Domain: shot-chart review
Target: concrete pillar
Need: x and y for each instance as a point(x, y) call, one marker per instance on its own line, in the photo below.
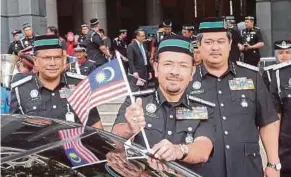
point(153, 12)
point(274, 20)
point(95, 9)
point(52, 13)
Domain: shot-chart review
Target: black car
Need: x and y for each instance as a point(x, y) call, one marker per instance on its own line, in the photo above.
point(37, 146)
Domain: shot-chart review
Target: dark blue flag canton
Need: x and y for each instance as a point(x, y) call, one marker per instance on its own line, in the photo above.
point(105, 75)
point(74, 157)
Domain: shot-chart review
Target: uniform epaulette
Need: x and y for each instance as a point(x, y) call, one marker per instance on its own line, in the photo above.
point(76, 76)
point(199, 100)
point(115, 39)
point(251, 67)
point(143, 92)
point(21, 81)
point(282, 65)
point(269, 67)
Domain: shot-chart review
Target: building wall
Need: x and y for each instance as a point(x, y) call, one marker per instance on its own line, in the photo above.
point(14, 13)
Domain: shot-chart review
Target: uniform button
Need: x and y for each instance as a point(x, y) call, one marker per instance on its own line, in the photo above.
point(218, 79)
point(169, 132)
point(221, 104)
point(34, 107)
point(219, 92)
point(289, 96)
point(243, 96)
point(53, 94)
point(223, 117)
point(226, 132)
point(190, 129)
point(254, 154)
point(149, 125)
point(54, 106)
point(227, 147)
point(171, 116)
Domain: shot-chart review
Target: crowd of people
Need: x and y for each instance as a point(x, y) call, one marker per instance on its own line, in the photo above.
point(209, 106)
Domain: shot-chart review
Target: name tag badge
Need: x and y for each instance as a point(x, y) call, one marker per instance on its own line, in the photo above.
point(241, 84)
point(197, 113)
point(70, 117)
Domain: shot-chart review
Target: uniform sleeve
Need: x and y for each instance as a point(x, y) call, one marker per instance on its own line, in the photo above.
point(259, 36)
point(97, 40)
point(206, 128)
point(93, 117)
point(266, 79)
point(265, 111)
point(14, 106)
point(114, 44)
point(130, 56)
point(121, 113)
point(10, 49)
point(274, 94)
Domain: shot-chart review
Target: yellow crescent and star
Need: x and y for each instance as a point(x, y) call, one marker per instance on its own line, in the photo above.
point(102, 77)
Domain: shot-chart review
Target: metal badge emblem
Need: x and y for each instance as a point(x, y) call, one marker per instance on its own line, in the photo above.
point(33, 93)
point(189, 138)
point(151, 108)
point(196, 85)
point(244, 103)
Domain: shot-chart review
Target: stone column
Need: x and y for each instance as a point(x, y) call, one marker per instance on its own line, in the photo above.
point(153, 12)
point(274, 20)
point(51, 13)
point(95, 9)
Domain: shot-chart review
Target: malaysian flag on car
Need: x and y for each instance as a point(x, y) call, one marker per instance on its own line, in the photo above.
point(104, 84)
point(75, 151)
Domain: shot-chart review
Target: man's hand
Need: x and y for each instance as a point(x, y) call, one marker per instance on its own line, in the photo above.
point(135, 116)
point(165, 150)
point(247, 46)
point(157, 165)
point(270, 172)
point(241, 47)
point(135, 75)
point(150, 76)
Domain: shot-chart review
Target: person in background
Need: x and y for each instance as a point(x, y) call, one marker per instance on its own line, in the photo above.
point(188, 31)
point(15, 46)
point(106, 39)
point(283, 54)
point(28, 38)
point(84, 32)
point(197, 56)
point(252, 41)
point(70, 44)
point(119, 44)
point(82, 65)
point(52, 30)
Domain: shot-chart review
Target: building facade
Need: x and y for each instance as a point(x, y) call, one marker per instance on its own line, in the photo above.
point(68, 15)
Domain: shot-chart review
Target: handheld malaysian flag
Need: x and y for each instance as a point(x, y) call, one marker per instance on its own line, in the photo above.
point(104, 84)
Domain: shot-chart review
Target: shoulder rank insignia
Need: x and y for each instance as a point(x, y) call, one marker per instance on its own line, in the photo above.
point(282, 65)
point(199, 100)
point(245, 65)
point(143, 92)
point(269, 67)
point(21, 81)
point(76, 76)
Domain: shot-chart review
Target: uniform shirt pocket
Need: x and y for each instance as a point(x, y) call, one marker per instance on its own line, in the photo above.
point(185, 131)
point(244, 99)
point(35, 108)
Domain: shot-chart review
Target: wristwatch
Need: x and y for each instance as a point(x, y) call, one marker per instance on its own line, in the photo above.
point(185, 150)
point(276, 166)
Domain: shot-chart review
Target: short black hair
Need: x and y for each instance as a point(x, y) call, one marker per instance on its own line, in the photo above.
point(137, 31)
point(101, 31)
point(53, 29)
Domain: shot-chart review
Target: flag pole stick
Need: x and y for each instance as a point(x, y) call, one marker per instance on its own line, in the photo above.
point(118, 55)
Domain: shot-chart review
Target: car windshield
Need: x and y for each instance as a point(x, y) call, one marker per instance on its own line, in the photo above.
point(36, 146)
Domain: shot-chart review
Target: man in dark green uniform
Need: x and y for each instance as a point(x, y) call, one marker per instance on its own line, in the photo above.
point(15, 46)
point(282, 53)
point(244, 110)
point(177, 126)
point(280, 88)
point(45, 93)
point(83, 65)
point(252, 41)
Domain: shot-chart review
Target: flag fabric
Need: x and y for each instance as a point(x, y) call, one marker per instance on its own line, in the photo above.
point(104, 84)
point(75, 151)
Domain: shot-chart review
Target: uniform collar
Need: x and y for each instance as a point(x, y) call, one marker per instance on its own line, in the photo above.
point(160, 100)
point(203, 71)
point(62, 83)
